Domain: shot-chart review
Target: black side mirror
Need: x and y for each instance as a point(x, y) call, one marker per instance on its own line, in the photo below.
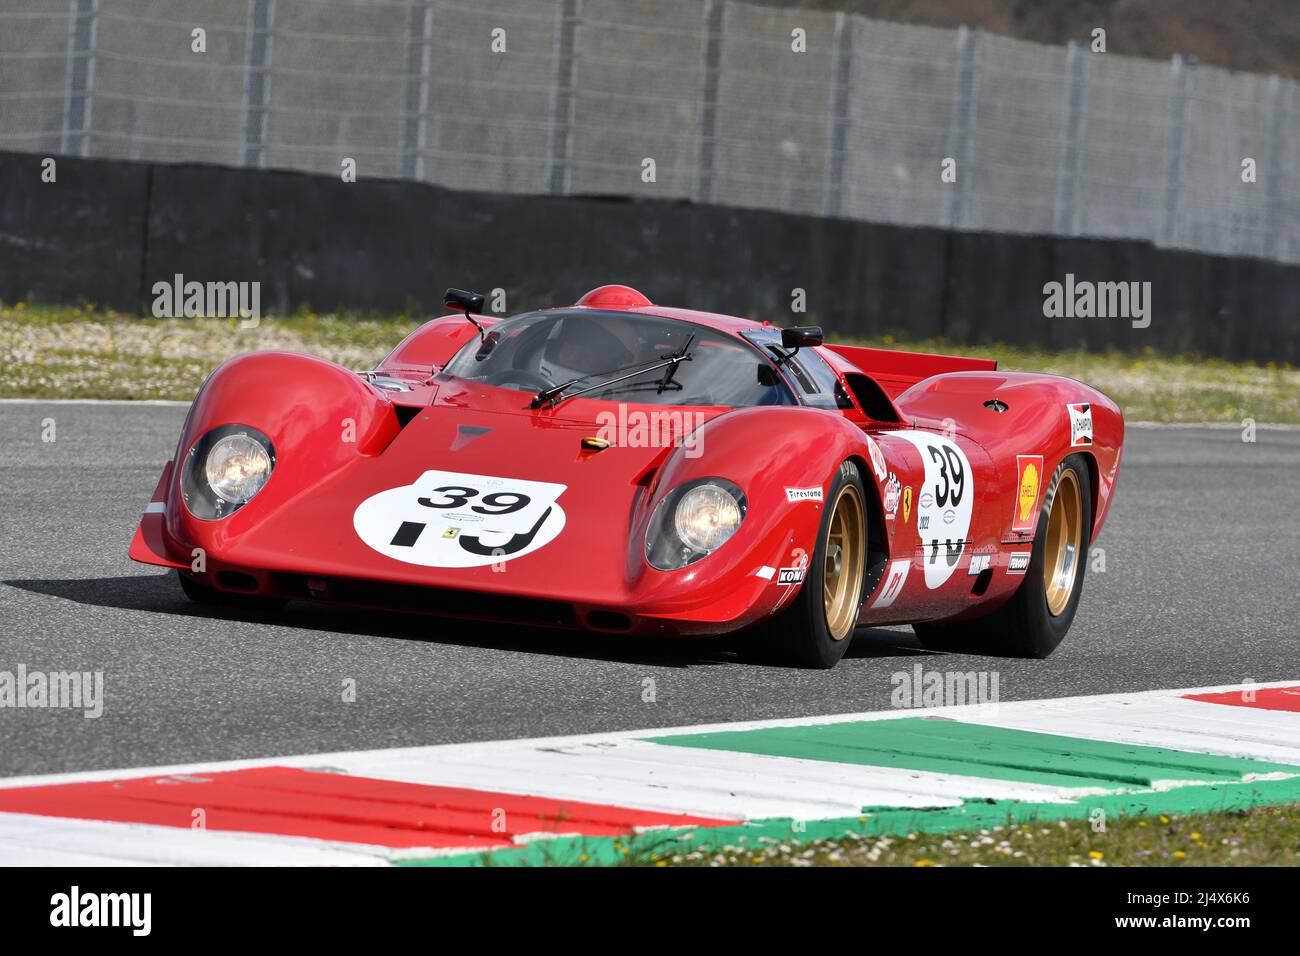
point(458, 300)
point(801, 336)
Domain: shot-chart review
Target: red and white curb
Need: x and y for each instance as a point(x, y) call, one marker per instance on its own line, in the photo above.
point(382, 806)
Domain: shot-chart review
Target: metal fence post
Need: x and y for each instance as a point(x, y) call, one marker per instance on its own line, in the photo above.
point(261, 17)
point(562, 99)
point(1180, 104)
point(842, 73)
point(1281, 91)
point(419, 54)
point(81, 77)
point(715, 12)
point(1065, 219)
point(969, 41)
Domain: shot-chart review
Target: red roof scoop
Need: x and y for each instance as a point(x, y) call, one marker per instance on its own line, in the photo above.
point(614, 297)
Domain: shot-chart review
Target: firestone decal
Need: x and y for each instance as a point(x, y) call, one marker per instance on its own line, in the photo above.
point(945, 504)
point(803, 494)
point(1080, 424)
point(448, 519)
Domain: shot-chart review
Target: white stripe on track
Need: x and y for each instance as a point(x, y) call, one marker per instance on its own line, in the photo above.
point(51, 841)
point(1171, 722)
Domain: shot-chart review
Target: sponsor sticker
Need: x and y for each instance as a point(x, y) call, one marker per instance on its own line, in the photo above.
point(1080, 424)
point(1029, 476)
point(892, 493)
point(907, 504)
point(894, 581)
point(877, 459)
point(803, 494)
point(791, 575)
point(477, 520)
point(1018, 563)
point(978, 563)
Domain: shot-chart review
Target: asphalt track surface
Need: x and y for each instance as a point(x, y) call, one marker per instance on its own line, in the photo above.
point(1200, 588)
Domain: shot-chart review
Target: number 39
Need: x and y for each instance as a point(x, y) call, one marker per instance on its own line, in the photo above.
point(497, 503)
point(954, 476)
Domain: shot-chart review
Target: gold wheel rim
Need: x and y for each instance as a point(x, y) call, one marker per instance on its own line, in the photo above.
point(845, 554)
point(1064, 535)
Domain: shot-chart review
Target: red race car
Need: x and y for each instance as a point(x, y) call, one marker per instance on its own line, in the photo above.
point(628, 468)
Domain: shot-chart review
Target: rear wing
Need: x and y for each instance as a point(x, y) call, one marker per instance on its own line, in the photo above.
point(896, 372)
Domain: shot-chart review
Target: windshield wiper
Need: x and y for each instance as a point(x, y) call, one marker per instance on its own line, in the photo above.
point(553, 395)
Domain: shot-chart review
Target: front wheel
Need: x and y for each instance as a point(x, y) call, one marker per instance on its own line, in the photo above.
point(1036, 618)
point(817, 627)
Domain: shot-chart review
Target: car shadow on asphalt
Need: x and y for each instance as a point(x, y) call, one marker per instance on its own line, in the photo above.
point(161, 594)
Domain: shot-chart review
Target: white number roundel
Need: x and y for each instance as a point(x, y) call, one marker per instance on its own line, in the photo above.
point(448, 519)
point(944, 505)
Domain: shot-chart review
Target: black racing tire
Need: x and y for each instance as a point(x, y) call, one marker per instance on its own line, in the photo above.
point(201, 593)
point(801, 635)
point(1025, 625)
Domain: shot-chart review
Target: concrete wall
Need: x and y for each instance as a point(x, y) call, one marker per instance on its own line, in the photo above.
point(107, 230)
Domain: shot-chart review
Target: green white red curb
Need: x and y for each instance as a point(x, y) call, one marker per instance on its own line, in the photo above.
point(604, 797)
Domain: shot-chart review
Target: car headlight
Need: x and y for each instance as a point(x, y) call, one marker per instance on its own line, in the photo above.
point(693, 521)
point(225, 469)
point(237, 468)
point(706, 516)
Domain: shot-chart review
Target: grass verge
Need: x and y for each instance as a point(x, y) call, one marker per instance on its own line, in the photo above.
point(1263, 836)
point(84, 352)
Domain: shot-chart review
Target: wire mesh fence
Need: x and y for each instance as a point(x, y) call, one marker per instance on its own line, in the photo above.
point(710, 100)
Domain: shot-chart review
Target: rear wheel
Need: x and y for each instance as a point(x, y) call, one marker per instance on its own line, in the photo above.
point(201, 593)
point(1036, 618)
point(817, 627)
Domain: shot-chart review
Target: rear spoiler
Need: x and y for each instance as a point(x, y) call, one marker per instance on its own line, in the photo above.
point(896, 372)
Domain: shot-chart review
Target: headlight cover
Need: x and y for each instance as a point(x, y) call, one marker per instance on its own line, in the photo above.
point(693, 521)
point(225, 469)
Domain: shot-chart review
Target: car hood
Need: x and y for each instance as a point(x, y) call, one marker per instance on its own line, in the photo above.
point(462, 489)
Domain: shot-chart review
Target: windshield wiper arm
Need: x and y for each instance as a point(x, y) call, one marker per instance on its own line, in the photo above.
point(551, 396)
point(667, 381)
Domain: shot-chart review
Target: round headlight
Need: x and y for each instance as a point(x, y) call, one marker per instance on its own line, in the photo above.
point(707, 516)
point(237, 468)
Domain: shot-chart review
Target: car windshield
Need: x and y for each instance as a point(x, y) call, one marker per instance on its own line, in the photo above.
point(541, 350)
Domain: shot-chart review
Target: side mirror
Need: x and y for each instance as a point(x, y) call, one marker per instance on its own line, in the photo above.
point(801, 336)
point(458, 300)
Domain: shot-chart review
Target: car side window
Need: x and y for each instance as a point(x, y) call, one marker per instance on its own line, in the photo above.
point(817, 380)
point(813, 379)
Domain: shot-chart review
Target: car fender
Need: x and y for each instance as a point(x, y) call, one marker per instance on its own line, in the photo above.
point(318, 416)
point(784, 460)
